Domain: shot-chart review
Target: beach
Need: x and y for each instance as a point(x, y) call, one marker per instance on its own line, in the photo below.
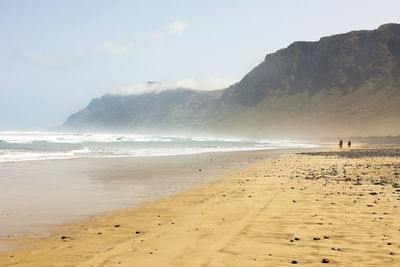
point(311, 208)
point(37, 195)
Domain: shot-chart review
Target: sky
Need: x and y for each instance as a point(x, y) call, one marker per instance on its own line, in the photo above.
point(55, 56)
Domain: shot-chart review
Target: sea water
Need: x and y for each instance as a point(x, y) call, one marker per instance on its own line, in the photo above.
point(23, 146)
point(40, 187)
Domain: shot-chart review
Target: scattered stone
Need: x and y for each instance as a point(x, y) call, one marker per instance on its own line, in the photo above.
point(117, 225)
point(316, 238)
point(325, 261)
point(293, 262)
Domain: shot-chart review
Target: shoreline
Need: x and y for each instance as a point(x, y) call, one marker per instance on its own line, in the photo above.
point(85, 188)
point(297, 207)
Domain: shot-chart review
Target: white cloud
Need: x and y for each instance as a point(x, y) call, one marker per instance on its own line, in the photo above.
point(115, 48)
point(176, 28)
point(156, 87)
point(53, 60)
point(36, 56)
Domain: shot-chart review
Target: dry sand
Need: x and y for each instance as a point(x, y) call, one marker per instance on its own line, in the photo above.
point(294, 208)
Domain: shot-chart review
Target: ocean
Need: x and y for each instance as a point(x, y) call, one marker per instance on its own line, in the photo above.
point(41, 187)
point(27, 146)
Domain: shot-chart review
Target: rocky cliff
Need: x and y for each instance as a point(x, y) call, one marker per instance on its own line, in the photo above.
point(342, 85)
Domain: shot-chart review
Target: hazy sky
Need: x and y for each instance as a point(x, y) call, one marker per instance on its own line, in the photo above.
point(57, 55)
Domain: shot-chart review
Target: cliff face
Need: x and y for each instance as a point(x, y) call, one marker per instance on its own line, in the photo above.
point(344, 61)
point(346, 84)
point(177, 108)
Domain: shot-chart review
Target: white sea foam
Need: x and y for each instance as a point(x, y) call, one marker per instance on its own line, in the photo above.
point(23, 146)
point(8, 155)
point(73, 138)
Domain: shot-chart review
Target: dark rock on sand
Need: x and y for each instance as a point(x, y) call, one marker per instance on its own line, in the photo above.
point(358, 153)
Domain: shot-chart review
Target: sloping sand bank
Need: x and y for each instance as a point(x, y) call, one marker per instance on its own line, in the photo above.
point(296, 208)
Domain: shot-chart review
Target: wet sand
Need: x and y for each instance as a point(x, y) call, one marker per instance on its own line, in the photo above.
point(306, 209)
point(37, 195)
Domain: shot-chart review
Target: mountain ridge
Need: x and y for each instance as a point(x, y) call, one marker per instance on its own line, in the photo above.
point(344, 84)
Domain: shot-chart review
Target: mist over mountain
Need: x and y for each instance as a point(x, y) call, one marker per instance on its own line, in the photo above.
point(342, 85)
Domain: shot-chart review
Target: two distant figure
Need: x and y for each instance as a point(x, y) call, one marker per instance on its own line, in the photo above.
point(341, 143)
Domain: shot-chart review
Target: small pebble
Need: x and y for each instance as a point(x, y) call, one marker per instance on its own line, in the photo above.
point(325, 261)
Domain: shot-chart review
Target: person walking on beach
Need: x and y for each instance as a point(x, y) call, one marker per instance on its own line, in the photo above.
point(340, 143)
point(349, 144)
